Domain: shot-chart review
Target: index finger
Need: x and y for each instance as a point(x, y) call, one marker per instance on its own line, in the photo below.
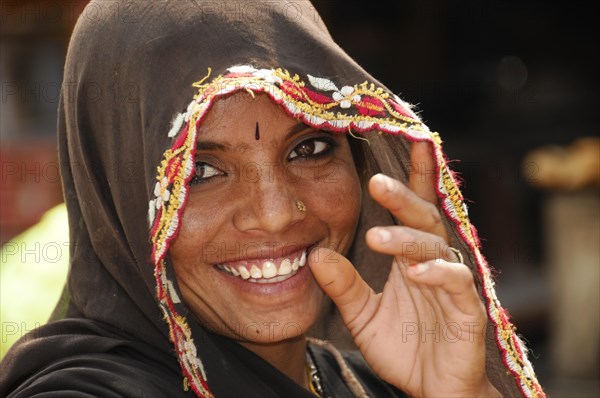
point(406, 206)
point(422, 172)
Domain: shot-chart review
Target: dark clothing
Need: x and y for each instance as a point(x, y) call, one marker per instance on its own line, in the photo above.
point(80, 358)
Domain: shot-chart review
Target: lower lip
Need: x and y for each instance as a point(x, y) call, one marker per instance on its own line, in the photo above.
point(291, 284)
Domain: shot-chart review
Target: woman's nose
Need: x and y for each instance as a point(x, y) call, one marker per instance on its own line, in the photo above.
point(269, 203)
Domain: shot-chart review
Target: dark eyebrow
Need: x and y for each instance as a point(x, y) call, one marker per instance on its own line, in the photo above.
point(297, 129)
point(212, 145)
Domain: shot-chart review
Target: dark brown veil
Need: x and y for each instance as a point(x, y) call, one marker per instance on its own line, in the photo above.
point(129, 72)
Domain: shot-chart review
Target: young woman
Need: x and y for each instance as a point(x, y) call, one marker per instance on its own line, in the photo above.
point(214, 223)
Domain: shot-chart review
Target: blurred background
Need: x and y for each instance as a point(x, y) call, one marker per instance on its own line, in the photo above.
point(511, 86)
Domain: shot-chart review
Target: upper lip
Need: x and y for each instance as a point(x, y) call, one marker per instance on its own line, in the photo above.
point(267, 252)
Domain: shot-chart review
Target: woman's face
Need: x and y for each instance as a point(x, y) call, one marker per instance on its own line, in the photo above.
point(240, 254)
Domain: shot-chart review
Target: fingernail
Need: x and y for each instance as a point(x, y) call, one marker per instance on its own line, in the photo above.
point(421, 268)
point(389, 183)
point(384, 235)
point(385, 182)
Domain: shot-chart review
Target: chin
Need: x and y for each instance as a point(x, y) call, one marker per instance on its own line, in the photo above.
point(280, 325)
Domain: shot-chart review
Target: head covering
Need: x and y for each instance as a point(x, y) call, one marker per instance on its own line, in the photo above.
point(128, 122)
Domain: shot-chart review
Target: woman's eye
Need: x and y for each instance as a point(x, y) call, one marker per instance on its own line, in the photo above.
point(204, 171)
point(311, 148)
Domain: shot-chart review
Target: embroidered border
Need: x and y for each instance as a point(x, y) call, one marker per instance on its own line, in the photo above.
point(359, 108)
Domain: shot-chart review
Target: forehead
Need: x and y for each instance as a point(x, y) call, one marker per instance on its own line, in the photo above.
point(239, 113)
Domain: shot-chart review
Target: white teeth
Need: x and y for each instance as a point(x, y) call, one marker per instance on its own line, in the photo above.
point(285, 267)
point(268, 272)
point(255, 272)
point(244, 272)
point(303, 259)
point(269, 269)
point(271, 280)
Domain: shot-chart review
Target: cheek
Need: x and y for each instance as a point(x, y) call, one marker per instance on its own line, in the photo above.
point(198, 226)
point(337, 200)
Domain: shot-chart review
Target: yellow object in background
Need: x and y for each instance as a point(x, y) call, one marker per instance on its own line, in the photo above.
point(565, 168)
point(33, 271)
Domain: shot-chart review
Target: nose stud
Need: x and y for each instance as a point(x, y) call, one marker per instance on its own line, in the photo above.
point(300, 206)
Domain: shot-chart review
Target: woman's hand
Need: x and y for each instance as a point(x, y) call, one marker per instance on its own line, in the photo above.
point(425, 332)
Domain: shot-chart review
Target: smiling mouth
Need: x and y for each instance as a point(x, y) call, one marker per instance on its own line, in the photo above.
point(268, 270)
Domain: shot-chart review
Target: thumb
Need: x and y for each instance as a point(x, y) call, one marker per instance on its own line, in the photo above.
point(338, 278)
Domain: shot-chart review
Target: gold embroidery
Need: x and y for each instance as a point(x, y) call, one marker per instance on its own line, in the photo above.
point(177, 164)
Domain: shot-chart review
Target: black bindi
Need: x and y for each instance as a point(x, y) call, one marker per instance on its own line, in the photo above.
point(257, 133)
